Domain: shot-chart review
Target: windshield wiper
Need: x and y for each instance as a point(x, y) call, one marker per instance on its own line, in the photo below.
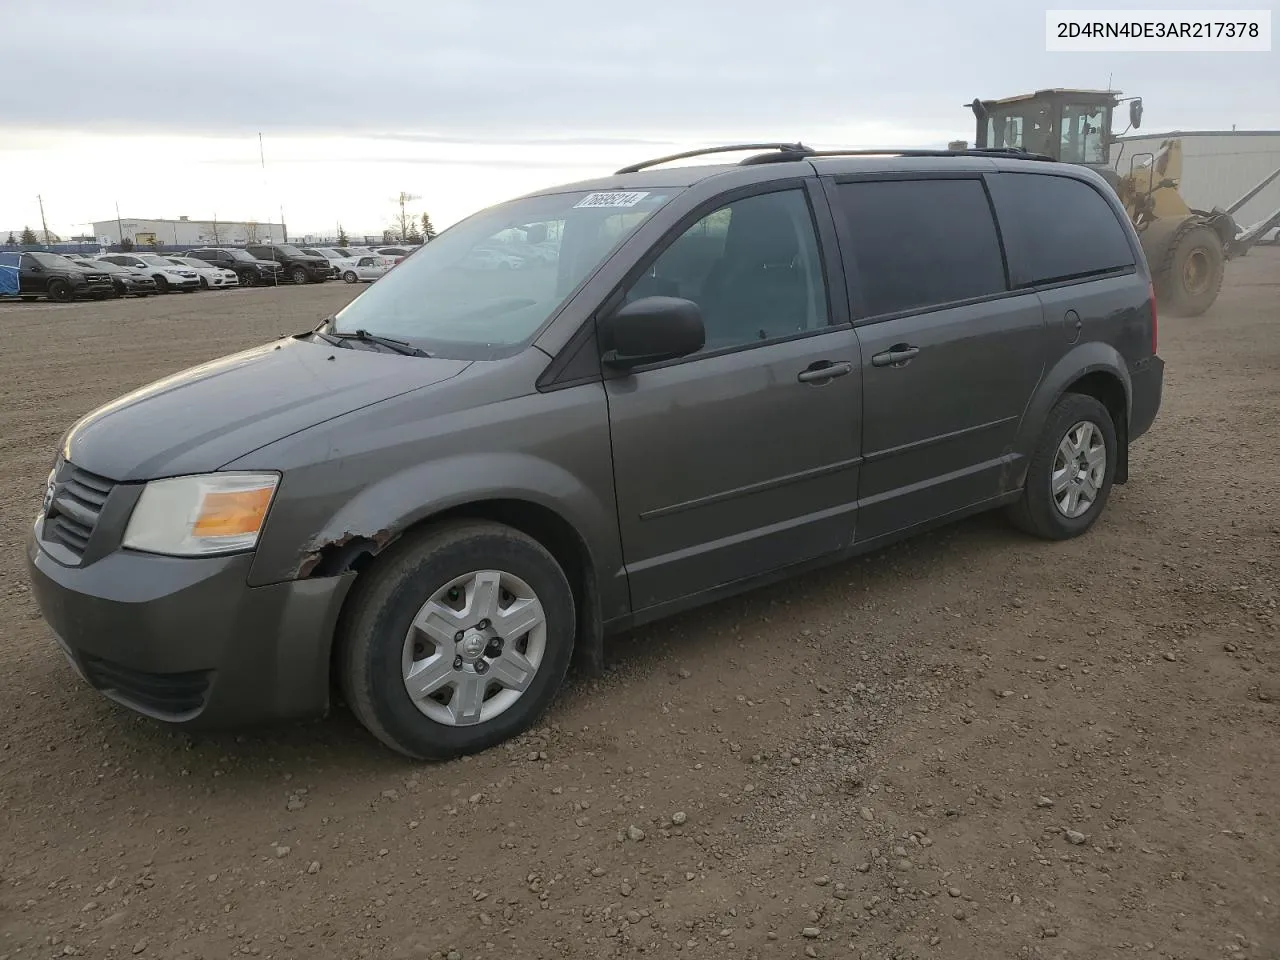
point(328, 338)
point(399, 346)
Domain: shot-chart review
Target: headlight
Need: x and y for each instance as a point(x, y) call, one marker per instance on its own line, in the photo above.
point(201, 515)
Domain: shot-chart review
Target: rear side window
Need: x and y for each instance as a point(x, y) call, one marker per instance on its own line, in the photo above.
point(921, 243)
point(1057, 228)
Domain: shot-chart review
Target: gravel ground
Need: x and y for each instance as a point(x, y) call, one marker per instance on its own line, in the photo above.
point(972, 745)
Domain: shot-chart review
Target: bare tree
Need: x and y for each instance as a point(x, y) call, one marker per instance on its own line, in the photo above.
point(404, 221)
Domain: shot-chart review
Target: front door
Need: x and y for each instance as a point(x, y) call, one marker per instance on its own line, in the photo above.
point(742, 458)
point(951, 356)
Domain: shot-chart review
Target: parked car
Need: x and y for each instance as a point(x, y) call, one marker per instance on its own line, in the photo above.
point(337, 261)
point(366, 269)
point(395, 253)
point(296, 265)
point(744, 371)
point(127, 281)
point(168, 276)
point(211, 277)
point(54, 276)
point(251, 270)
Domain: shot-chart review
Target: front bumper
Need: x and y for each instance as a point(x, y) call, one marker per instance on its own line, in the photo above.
point(187, 640)
point(1147, 379)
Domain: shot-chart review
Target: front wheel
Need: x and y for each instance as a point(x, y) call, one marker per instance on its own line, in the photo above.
point(60, 291)
point(248, 280)
point(350, 276)
point(457, 640)
point(162, 284)
point(299, 275)
point(204, 284)
point(1070, 475)
point(1195, 272)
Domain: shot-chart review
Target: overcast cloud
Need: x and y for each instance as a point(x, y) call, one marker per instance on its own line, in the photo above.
point(562, 75)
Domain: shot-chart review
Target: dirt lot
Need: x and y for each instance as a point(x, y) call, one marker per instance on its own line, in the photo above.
point(974, 745)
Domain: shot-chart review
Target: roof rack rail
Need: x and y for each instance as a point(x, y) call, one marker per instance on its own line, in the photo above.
point(785, 151)
point(1016, 153)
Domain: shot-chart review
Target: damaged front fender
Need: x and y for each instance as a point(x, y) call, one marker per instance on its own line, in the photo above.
point(331, 557)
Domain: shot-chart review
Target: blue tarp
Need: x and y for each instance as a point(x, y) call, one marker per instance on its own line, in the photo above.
point(9, 274)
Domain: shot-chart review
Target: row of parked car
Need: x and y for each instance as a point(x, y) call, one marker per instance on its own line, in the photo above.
point(99, 276)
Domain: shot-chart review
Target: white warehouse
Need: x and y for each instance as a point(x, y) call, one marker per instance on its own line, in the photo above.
point(187, 232)
point(1219, 167)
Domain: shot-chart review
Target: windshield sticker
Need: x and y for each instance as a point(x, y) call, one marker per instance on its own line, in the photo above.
point(612, 199)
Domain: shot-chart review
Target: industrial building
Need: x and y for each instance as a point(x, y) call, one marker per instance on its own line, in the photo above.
point(1218, 167)
point(185, 232)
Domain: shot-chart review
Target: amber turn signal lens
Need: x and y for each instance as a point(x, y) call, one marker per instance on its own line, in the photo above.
point(232, 513)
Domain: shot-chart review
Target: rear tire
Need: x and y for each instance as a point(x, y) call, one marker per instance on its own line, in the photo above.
point(1046, 508)
point(1196, 268)
point(379, 648)
point(60, 291)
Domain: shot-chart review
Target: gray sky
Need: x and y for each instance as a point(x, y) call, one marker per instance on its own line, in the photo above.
point(542, 87)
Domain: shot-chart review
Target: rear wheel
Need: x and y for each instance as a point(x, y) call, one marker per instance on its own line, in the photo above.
point(457, 640)
point(1195, 272)
point(60, 291)
point(1070, 475)
point(350, 276)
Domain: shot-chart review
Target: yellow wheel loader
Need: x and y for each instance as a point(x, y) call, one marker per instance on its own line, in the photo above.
point(1185, 248)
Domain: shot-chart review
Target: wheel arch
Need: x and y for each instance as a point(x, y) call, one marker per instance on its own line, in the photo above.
point(360, 555)
point(1096, 370)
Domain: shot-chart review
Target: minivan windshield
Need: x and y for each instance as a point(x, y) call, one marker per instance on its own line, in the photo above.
point(490, 281)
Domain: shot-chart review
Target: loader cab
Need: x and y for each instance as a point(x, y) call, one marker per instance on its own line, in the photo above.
point(1073, 126)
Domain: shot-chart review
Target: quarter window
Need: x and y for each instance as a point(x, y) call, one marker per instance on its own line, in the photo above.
point(751, 266)
point(1058, 228)
point(921, 243)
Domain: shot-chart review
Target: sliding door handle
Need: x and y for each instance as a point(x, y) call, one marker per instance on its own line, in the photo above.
point(898, 354)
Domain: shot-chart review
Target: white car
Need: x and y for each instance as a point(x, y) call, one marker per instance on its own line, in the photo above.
point(211, 277)
point(167, 275)
point(366, 269)
point(487, 258)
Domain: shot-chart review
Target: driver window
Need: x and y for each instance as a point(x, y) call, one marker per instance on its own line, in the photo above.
point(751, 266)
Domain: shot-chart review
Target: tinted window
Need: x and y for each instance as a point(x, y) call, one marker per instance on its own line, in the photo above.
point(1057, 227)
point(204, 255)
point(919, 243)
point(751, 266)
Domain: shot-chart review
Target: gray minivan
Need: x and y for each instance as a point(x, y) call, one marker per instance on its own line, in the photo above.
point(707, 378)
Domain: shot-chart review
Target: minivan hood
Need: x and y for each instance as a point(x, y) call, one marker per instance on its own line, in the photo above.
point(203, 418)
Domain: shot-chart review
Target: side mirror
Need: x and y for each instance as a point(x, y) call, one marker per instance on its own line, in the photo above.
point(651, 330)
point(1135, 113)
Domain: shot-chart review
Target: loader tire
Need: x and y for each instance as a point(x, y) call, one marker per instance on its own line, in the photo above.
point(1193, 276)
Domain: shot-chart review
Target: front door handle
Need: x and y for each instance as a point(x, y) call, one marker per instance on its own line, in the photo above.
point(824, 370)
point(899, 353)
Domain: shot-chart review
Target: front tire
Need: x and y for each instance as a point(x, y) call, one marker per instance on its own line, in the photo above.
point(456, 640)
point(162, 284)
point(248, 280)
point(299, 275)
point(60, 291)
point(1196, 269)
point(1071, 472)
point(350, 276)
